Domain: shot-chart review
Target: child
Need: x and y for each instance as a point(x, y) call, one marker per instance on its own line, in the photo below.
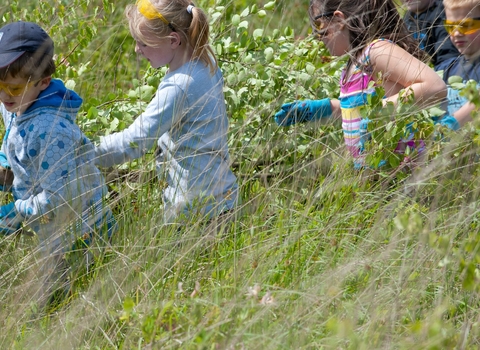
point(424, 18)
point(57, 189)
point(463, 25)
point(372, 34)
point(186, 118)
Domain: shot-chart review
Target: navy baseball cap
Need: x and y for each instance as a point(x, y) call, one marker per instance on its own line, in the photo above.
point(19, 37)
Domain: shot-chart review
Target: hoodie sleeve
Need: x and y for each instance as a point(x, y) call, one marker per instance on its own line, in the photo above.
point(49, 161)
point(141, 135)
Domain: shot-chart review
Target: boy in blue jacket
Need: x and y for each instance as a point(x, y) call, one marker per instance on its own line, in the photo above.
point(57, 190)
point(424, 19)
point(463, 25)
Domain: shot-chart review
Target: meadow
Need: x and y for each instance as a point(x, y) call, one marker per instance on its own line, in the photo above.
point(319, 256)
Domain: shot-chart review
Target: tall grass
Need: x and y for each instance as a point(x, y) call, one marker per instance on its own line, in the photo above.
point(318, 256)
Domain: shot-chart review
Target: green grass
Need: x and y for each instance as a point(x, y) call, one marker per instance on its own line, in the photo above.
point(346, 262)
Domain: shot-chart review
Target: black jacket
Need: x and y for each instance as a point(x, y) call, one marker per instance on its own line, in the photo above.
point(427, 27)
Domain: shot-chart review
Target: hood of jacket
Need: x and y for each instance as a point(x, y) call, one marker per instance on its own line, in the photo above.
point(55, 96)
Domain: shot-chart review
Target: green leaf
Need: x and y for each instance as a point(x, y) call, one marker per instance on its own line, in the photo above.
point(310, 68)
point(436, 112)
point(245, 12)
point(236, 20)
point(304, 76)
point(104, 121)
point(457, 86)
point(261, 13)
point(243, 24)
point(288, 32)
point(232, 79)
point(114, 125)
point(215, 16)
point(70, 84)
point(268, 54)
point(92, 113)
point(455, 79)
point(257, 33)
point(269, 6)
point(128, 305)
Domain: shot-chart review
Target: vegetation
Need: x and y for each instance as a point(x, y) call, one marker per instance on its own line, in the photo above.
point(319, 256)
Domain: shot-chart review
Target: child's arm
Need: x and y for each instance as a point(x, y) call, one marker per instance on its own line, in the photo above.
point(400, 70)
point(51, 164)
point(141, 135)
point(306, 111)
point(463, 115)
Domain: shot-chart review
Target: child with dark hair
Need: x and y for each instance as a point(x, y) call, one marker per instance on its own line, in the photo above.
point(381, 53)
point(424, 19)
point(57, 190)
point(186, 118)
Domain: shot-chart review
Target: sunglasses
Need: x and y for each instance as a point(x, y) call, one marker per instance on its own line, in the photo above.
point(16, 89)
point(464, 27)
point(320, 28)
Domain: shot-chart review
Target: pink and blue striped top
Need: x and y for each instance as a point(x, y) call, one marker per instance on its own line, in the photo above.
point(353, 96)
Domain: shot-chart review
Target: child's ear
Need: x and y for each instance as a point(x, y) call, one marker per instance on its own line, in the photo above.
point(340, 16)
point(175, 40)
point(45, 82)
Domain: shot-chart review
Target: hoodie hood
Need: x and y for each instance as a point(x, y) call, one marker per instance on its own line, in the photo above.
point(57, 96)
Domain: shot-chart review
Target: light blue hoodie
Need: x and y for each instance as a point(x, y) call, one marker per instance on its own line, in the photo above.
point(187, 121)
point(57, 188)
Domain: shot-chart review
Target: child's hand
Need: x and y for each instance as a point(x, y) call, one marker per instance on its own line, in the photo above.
point(450, 122)
point(8, 210)
point(10, 221)
point(4, 161)
point(303, 111)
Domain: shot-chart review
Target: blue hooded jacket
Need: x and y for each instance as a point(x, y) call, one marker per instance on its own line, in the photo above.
point(57, 188)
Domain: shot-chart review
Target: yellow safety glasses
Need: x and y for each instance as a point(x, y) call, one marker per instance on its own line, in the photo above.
point(16, 89)
point(465, 27)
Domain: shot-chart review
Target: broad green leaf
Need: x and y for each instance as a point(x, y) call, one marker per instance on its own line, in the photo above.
point(245, 12)
point(257, 33)
point(268, 54)
point(269, 5)
point(236, 20)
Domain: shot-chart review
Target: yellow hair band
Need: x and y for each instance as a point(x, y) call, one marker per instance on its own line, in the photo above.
point(146, 8)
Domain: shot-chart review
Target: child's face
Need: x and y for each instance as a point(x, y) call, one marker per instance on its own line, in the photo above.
point(417, 6)
point(462, 27)
point(17, 94)
point(163, 53)
point(328, 28)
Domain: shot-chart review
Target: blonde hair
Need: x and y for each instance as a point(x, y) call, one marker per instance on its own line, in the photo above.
point(192, 25)
point(453, 4)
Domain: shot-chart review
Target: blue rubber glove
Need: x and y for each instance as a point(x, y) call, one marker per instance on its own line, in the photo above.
point(4, 161)
point(8, 210)
point(10, 221)
point(303, 111)
point(450, 122)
